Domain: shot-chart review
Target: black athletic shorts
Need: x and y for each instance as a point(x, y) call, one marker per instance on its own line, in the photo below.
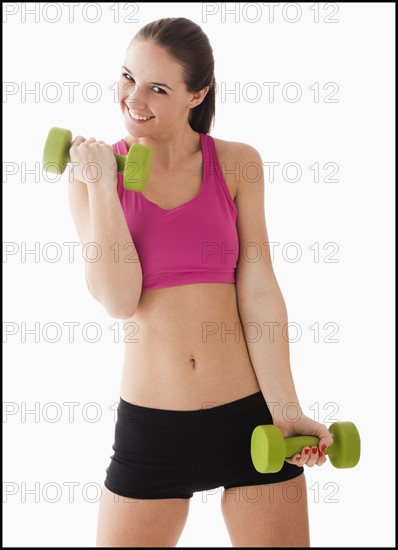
point(161, 453)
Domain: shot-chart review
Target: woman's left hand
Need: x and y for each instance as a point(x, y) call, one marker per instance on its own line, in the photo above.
point(306, 426)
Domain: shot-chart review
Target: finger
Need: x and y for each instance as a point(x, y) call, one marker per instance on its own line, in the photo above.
point(322, 459)
point(78, 140)
point(295, 459)
point(298, 459)
point(325, 440)
point(313, 456)
point(302, 457)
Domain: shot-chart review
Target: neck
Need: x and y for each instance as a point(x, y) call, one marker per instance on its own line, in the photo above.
point(170, 148)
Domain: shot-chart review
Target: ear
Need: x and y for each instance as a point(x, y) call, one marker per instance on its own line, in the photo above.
point(198, 97)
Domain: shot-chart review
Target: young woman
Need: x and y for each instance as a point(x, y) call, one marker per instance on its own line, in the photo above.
point(176, 265)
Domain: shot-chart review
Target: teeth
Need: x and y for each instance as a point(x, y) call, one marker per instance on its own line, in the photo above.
point(138, 117)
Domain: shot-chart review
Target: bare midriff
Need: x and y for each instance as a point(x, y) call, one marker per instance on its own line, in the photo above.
point(185, 349)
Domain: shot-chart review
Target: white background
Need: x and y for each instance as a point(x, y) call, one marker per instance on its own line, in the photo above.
point(349, 379)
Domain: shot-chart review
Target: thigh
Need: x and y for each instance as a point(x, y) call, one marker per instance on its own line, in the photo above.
point(269, 515)
point(131, 522)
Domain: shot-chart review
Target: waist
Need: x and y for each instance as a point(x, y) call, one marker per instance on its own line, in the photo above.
point(207, 410)
point(187, 346)
point(183, 384)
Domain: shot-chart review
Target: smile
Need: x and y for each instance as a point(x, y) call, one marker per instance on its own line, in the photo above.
point(139, 118)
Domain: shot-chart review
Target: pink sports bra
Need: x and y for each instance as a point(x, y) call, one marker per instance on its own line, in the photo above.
point(196, 242)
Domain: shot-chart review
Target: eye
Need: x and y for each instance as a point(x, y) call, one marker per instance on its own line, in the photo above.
point(161, 91)
point(129, 77)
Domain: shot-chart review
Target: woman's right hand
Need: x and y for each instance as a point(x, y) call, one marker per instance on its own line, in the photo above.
point(95, 163)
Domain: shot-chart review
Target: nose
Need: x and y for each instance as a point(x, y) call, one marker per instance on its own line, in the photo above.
point(135, 96)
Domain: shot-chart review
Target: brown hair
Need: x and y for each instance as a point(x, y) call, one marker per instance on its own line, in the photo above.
point(186, 42)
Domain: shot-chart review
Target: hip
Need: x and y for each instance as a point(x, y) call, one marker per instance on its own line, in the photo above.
point(173, 454)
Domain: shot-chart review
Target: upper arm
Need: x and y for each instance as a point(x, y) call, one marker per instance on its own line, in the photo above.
point(254, 272)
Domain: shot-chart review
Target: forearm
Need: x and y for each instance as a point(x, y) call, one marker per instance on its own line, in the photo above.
point(264, 323)
point(115, 277)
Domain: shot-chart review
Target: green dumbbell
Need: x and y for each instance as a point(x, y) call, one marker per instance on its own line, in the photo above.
point(269, 448)
point(135, 167)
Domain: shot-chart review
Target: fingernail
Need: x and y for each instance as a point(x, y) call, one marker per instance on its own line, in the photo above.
point(314, 450)
point(320, 453)
point(306, 451)
point(323, 447)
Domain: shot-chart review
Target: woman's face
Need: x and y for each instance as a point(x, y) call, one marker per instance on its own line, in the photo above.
point(167, 101)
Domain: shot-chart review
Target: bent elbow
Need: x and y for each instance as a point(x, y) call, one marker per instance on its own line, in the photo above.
point(116, 310)
point(121, 312)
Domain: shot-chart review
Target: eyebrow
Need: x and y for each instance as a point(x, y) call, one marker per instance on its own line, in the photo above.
point(156, 83)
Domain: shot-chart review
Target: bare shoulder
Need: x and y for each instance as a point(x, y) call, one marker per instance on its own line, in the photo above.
point(235, 158)
point(232, 148)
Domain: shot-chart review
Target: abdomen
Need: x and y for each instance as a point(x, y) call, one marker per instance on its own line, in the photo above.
point(185, 348)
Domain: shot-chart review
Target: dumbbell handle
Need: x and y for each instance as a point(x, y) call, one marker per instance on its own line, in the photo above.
point(294, 445)
point(120, 161)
